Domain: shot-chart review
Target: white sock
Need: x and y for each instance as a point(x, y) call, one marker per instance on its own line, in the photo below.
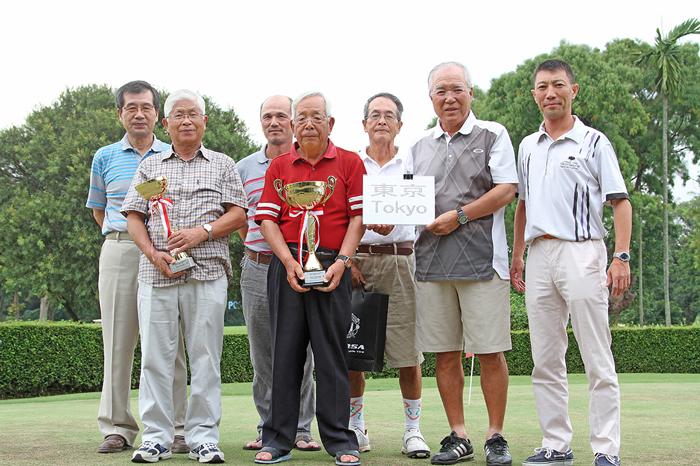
point(357, 417)
point(412, 410)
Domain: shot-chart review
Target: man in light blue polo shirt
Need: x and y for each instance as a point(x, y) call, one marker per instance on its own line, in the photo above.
point(113, 168)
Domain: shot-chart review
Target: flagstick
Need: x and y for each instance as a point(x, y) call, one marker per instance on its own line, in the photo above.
point(471, 378)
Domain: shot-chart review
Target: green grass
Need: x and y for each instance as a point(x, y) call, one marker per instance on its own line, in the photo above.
point(660, 424)
point(235, 330)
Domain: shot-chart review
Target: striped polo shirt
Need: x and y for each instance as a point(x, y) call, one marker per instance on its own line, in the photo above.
point(566, 182)
point(252, 170)
point(113, 168)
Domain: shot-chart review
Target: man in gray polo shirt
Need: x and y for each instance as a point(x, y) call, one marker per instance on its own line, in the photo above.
point(113, 168)
point(276, 117)
point(462, 280)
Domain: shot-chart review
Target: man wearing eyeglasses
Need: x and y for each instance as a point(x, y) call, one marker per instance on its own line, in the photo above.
point(384, 263)
point(208, 203)
point(462, 274)
point(113, 168)
point(320, 314)
point(276, 119)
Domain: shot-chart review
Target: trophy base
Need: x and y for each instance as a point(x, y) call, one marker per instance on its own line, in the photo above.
point(182, 264)
point(313, 278)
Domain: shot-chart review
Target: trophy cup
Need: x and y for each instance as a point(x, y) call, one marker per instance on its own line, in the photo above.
point(153, 190)
point(307, 198)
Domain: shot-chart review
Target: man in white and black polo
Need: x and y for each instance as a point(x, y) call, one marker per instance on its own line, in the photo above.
point(462, 283)
point(568, 171)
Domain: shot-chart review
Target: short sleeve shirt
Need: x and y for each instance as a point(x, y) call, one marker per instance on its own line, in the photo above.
point(465, 166)
point(566, 182)
point(334, 216)
point(252, 170)
point(113, 168)
point(200, 189)
point(400, 233)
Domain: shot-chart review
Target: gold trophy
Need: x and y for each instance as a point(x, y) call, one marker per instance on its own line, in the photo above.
point(153, 190)
point(306, 197)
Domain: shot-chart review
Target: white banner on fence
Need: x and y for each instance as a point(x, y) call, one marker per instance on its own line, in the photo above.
point(393, 200)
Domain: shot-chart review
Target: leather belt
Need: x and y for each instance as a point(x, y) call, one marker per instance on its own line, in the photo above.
point(396, 249)
point(258, 257)
point(547, 237)
point(118, 235)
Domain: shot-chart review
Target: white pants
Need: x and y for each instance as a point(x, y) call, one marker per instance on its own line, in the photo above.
point(200, 305)
point(565, 278)
point(119, 266)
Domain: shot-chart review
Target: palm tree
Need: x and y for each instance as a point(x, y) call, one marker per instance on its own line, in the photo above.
point(664, 57)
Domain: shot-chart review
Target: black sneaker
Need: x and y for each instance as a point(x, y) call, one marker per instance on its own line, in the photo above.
point(454, 450)
point(497, 453)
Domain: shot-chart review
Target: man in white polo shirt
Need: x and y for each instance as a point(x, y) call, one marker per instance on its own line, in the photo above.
point(567, 172)
point(384, 263)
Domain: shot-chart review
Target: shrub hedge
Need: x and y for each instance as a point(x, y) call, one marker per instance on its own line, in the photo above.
point(54, 358)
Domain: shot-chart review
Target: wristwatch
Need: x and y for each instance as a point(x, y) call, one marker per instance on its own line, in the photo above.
point(209, 230)
point(462, 217)
point(623, 256)
point(346, 260)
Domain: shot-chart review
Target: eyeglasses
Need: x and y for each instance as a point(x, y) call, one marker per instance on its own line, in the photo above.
point(442, 93)
point(388, 117)
point(316, 119)
point(192, 116)
point(134, 109)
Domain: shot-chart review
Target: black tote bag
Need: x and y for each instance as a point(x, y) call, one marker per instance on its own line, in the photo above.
point(367, 334)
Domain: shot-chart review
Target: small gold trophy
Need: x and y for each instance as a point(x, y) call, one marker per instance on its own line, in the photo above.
point(153, 190)
point(305, 197)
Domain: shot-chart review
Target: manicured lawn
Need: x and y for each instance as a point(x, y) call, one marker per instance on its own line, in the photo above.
point(660, 424)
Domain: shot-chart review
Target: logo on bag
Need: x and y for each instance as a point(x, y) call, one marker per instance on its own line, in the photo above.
point(354, 326)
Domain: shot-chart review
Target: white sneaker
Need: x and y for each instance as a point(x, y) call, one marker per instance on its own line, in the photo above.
point(414, 444)
point(151, 452)
point(362, 439)
point(207, 453)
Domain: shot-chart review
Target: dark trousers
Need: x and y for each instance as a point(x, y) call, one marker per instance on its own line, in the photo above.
point(295, 319)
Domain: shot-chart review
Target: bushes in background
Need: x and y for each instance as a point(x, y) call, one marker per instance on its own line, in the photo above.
point(55, 358)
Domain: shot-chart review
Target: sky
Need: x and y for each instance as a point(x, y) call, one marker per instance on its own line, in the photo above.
point(238, 53)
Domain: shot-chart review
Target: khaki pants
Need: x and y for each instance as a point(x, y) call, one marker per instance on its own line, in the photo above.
point(119, 266)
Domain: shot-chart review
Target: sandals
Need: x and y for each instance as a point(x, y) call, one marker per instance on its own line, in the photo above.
point(307, 439)
point(354, 453)
point(277, 457)
point(257, 440)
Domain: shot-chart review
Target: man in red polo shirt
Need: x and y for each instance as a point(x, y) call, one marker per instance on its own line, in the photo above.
point(321, 314)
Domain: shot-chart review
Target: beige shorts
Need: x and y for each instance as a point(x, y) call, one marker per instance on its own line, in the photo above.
point(393, 275)
point(463, 315)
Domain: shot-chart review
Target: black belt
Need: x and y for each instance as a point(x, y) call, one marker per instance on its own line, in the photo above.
point(321, 253)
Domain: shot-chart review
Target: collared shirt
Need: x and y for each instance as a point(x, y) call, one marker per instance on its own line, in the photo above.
point(334, 216)
point(113, 168)
point(200, 188)
point(400, 233)
point(465, 166)
point(566, 182)
point(252, 170)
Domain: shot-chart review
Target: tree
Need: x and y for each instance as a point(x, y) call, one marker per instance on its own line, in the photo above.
point(665, 59)
point(50, 243)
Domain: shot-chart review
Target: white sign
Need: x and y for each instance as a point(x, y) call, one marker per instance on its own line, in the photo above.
point(393, 200)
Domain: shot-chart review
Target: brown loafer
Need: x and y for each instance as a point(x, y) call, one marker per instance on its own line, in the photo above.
point(113, 443)
point(179, 445)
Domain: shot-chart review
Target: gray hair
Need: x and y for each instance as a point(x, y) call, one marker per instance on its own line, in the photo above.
point(179, 96)
point(392, 97)
point(449, 64)
point(307, 94)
